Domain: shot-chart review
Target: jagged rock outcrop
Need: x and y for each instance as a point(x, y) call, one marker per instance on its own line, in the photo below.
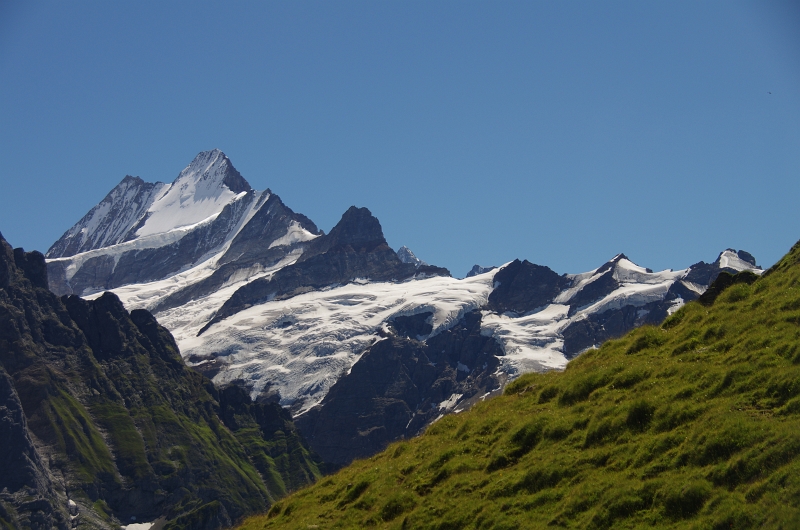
point(477, 269)
point(521, 286)
point(400, 385)
point(722, 282)
point(252, 249)
point(101, 421)
point(354, 249)
point(599, 326)
point(406, 256)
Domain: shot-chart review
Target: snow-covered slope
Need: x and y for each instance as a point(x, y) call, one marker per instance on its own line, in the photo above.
point(135, 208)
point(300, 346)
point(257, 296)
point(198, 195)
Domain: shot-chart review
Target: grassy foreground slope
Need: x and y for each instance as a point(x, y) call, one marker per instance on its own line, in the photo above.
point(695, 424)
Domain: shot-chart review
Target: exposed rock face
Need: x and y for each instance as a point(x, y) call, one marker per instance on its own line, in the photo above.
point(128, 210)
point(354, 249)
point(97, 407)
point(722, 282)
point(603, 285)
point(597, 329)
point(33, 267)
point(477, 269)
point(600, 326)
point(138, 265)
point(400, 385)
point(111, 220)
point(146, 232)
point(705, 273)
point(253, 248)
point(259, 238)
point(522, 286)
point(28, 499)
point(406, 256)
point(279, 455)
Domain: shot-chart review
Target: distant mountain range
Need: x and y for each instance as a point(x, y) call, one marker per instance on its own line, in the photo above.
point(365, 345)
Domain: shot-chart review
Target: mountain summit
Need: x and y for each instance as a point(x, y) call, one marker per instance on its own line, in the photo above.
point(201, 191)
point(406, 256)
point(134, 208)
point(339, 325)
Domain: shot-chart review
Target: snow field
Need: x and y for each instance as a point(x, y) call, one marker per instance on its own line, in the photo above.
point(301, 346)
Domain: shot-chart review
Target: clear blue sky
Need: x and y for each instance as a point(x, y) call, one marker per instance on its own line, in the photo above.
point(477, 132)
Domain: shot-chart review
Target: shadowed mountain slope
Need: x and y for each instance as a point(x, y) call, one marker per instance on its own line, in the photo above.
point(102, 421)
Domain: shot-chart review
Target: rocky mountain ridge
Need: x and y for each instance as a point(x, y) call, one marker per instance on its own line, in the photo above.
point(256, 295)
point(102, 423)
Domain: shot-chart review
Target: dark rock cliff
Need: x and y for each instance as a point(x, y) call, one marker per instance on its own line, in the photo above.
point(97, 408)
point(522, 286)
point(400, 385)
point(28, 498)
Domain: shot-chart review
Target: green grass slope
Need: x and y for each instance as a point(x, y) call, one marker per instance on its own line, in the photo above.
point(694, 424)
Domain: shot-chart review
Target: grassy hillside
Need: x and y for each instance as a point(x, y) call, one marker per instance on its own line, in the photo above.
point(694, 424)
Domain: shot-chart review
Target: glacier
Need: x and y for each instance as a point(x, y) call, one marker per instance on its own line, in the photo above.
point(185, 250)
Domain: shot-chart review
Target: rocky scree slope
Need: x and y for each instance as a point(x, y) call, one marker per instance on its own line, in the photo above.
point(257, 296)
point(101, 421)
point(690, 424)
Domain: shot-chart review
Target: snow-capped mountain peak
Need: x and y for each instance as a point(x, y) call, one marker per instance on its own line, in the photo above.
point(136, 208)
point(738, 261)
point(406, 256)
point(199, 193)
point(215, 170)
point(143, 232)
point(110, 222)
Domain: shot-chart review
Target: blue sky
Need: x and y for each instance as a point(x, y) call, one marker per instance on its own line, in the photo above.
point(477, 132)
